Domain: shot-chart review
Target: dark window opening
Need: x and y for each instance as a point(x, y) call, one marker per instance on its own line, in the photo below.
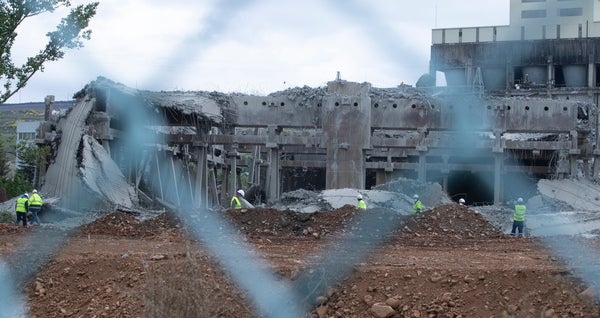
point(570, 12)
point(533, 14)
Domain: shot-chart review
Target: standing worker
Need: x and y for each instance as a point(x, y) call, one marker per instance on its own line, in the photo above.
point(235, 200)
point(361, 203)
point(518, 217)
point(21, 207)
point(418, 205)
point(35, 206)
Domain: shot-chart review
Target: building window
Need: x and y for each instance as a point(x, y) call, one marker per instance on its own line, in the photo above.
point(532, 14)
point(570, 12)
point(527, 1)
point(26, 136)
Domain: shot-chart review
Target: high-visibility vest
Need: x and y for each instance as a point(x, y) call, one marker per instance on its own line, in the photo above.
point(235, 203)
point(362, 204)
point(519, 212)
point(35, 200)
point(21, 204)
point(418, 206)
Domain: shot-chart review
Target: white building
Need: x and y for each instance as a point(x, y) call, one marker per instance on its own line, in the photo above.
point(27, 132)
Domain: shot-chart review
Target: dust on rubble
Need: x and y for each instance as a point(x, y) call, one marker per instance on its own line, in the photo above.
point(447, 262)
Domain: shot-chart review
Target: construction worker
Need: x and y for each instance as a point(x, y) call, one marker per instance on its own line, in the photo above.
point(417, 206)
point(21, 208)
point(461, 201)
point(518, 217)
point(35, 206)
point(235, 202)
point(361, 203)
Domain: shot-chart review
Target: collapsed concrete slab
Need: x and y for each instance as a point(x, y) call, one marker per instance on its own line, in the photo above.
point(103, 177)
point(580, 194)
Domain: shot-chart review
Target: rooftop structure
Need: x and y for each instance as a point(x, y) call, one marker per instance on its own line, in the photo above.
point(550, 47)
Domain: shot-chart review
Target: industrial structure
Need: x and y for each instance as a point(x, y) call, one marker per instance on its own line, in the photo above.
point(521, 104)
point(550, 48)
point(346, 135)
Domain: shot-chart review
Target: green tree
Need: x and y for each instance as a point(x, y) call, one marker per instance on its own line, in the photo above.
point(32, 159)
point(4, 158)
point(16, 186)
point(70, 33)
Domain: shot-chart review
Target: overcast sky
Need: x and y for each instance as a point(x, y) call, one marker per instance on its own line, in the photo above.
point(251, 47)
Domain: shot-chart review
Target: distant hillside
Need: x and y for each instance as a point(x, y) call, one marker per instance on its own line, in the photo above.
point(10, 114)
point(39, 106)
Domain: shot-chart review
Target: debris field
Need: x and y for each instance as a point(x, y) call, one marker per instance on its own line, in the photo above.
point(447, 262)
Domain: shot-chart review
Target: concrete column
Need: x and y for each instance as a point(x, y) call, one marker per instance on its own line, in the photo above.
point(175, 182)
point(347, 133)
point(233, 155)
point(200, 183)
point(510, 75)
point(498, 151)
point(158, 176)
point(591, 66)
point(422, 169)
point(49, 101)
point(498, 184)
point(596, 165)
point(273, 175)
point(550, 81)
point(469, 72)
point(573, 153)
point(591, 75)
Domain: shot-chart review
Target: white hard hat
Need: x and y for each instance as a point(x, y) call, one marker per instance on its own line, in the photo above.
point(26, 194)
point(461, 200)
point(416, 196)
point(520, 200)
point(359, 196)
point(34, 191)
point(241, 192)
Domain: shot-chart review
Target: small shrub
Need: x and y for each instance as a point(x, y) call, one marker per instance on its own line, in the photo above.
point(7, 217)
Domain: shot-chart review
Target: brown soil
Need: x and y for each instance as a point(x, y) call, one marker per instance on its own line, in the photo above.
point(447, 262)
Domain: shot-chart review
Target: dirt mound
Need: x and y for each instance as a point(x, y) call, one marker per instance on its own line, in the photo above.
point(126, 225)
point(268, 222)
point(451, 220)
point(6, 228)
point(442, 221)
point(446, 262)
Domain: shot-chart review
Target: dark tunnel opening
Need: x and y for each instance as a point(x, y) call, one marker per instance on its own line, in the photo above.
point(478, 188)
point(475, 188)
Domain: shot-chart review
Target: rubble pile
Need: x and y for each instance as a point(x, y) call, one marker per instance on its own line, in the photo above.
point(454, 220)
point(256, 223)
point(127, 225)
point(444, 262)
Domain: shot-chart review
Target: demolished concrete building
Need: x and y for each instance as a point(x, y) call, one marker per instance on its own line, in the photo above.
point(182, 148)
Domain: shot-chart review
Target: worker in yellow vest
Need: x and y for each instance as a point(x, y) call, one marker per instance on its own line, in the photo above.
point(361, 203)
point(35, 206)
point(235, 202)
point(518, 217)
point(417, 205)
point(21, 208)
